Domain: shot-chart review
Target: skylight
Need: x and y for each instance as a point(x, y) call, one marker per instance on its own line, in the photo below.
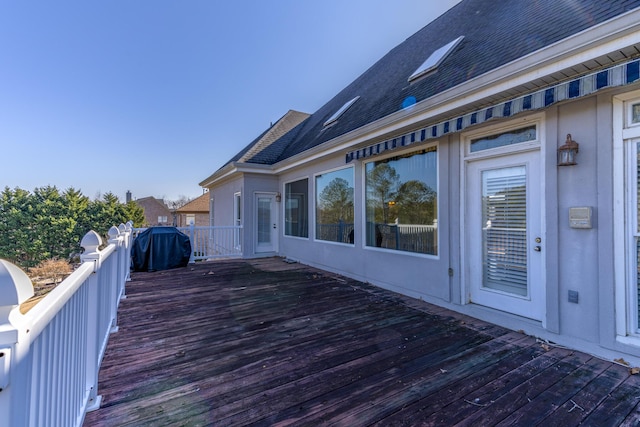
point(341, 111)
point(435, 59)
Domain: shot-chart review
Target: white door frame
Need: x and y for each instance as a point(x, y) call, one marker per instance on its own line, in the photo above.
point(531, 305)
point(518, 153)
point(273, 226)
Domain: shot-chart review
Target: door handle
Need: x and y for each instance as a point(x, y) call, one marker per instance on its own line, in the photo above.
point(537, 248)
point(274, 226)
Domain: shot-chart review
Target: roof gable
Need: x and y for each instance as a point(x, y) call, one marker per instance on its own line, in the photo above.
point(287, 122)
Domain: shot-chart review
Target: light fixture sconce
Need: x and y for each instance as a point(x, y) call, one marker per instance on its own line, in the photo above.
point(278, 197)
point(567, 152)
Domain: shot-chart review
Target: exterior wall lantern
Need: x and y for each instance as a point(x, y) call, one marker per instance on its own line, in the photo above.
point(567, 152)
point(278, 197)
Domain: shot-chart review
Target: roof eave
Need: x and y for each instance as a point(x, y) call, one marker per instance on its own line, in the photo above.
point(598, 40)
point(234, 169)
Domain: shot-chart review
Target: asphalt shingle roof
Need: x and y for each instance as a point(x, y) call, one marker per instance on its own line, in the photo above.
point(495, 33)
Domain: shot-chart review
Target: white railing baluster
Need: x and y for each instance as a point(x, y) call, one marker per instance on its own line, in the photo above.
point(50, 357)
point(210, 242)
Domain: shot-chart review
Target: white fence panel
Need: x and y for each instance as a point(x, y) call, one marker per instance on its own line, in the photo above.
point(50, 356)
point(211, 242)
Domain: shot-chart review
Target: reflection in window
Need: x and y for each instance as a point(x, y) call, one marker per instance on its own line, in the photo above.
point(401, 202)
point(334, 206)
point(503, 139)
point(237, 218)
point(635, 113)
point(296, 214)
point(264, 220)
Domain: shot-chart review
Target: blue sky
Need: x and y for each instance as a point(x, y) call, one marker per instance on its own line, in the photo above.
point(153, 96)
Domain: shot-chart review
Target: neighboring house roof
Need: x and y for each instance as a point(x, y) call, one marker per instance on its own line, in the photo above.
point(197, 205)
point(495, 34)
point(148, 201)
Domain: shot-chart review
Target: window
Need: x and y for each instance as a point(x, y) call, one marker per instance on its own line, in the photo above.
point(635, 113)
point(435, 59)
point(341, 111)
point(334, 206)
point(401, 202)
point(237, 210)
point(191, 219)
point(503, 139)
point(211, 211)
point(237, 219)
point(162, 219)
point(296, 214)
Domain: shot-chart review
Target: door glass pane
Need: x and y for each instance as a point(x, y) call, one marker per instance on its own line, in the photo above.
point(264, 220)
point(504, 232)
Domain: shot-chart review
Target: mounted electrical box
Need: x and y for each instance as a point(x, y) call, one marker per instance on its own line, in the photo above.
point(580, 217)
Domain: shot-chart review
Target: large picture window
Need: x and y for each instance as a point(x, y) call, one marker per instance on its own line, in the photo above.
point(334, 206)
point(401, 202)
point(296, 211)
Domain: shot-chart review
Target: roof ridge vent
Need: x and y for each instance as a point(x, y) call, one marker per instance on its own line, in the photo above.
point(435, 59)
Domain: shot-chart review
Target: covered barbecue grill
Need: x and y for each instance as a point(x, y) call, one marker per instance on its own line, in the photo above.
point(160, 248)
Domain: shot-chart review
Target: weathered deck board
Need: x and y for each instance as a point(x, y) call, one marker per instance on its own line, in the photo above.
point(264, 342)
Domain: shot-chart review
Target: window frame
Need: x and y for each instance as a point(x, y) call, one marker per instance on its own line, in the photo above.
point(363, 228)
point(528, 121)
point(237, 209)
point(285, 200)
point(315, 204)
point(237, 218)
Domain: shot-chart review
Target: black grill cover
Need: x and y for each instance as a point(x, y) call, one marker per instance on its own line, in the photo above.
point(160, 248)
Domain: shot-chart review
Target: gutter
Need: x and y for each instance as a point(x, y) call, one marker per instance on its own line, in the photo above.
point(602, 39)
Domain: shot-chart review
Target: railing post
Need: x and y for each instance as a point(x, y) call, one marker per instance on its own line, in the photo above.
point(117, 274)
point(91, 243)
point(15, 288)
point(128, 242)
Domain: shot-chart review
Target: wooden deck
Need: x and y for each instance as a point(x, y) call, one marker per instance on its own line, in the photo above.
point(269, 343)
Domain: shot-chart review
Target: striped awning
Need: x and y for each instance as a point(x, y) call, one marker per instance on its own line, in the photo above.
point(618, 75)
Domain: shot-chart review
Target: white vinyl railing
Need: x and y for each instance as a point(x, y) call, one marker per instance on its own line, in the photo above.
point(211, 242)
point(405, 237)
point(50, 356)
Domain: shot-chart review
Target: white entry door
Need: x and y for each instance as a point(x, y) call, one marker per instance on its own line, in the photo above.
point(267, 223)
point(504, 240)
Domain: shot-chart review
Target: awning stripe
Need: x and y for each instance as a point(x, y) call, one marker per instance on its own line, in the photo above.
point(618, 75)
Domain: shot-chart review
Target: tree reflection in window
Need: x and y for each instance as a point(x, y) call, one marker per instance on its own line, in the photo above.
point(401, 202)
point(334, 206)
